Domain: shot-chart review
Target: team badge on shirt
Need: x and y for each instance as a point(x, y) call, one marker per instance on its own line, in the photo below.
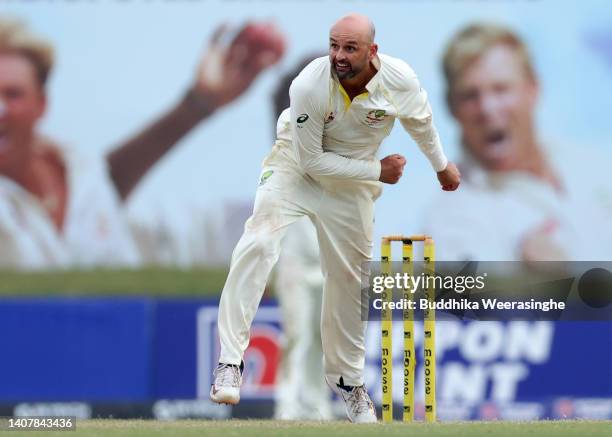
point(375, 116)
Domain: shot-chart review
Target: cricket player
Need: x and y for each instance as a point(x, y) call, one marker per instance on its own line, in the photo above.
point(324, 165)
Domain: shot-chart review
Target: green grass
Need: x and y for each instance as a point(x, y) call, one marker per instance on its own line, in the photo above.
point(150, 281)
point(269, 428)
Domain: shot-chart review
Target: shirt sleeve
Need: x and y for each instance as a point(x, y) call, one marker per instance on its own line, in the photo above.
point(307, 120)
point(416, 117)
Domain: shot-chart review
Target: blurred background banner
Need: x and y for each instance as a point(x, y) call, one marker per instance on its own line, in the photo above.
point(142, 342)
point(146, 356)
point(121, 63)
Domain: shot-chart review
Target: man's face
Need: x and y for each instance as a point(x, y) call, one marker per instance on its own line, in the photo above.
point(22, 103)
point(494, 101)
point(349, 53)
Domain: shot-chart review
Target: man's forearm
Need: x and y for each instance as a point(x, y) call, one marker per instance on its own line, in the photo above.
point(130, 161)
point(431, 147)
point(337, 166)
point(425, 134)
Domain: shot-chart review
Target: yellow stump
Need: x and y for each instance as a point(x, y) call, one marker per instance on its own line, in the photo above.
point(409, 352)
point(429, 341)
point(386, 322)
point(429, 331)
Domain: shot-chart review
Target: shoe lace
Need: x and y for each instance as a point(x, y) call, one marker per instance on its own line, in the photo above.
point(359, 400)
point(227, 375)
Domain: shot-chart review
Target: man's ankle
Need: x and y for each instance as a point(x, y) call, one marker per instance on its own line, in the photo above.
point(241, 366)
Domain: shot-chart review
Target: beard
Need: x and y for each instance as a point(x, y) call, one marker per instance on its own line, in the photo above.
point(346, 70)
point(345, 73)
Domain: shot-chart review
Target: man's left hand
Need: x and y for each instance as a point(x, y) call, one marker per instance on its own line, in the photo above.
point(449, 178)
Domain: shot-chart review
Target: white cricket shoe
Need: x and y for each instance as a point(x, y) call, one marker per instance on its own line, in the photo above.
point(226, 388)
point(359, 406)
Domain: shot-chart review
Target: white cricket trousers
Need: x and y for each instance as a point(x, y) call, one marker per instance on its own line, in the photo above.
point(343, 214)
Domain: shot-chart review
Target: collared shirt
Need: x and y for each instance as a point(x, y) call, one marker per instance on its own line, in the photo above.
point(332, 136)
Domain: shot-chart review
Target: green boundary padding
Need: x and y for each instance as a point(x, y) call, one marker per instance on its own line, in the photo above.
point(148, 281)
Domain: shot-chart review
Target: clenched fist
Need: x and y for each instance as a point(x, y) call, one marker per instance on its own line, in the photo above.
point(392, 168)
point(449, 178)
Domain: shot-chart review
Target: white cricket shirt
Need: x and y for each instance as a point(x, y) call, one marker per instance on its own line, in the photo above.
point(332, 136)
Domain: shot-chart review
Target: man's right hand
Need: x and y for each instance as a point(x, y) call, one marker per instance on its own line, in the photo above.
point(392, 168)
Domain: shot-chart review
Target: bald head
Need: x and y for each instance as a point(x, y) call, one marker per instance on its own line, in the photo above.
point(356, 25)
point(352, 48)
